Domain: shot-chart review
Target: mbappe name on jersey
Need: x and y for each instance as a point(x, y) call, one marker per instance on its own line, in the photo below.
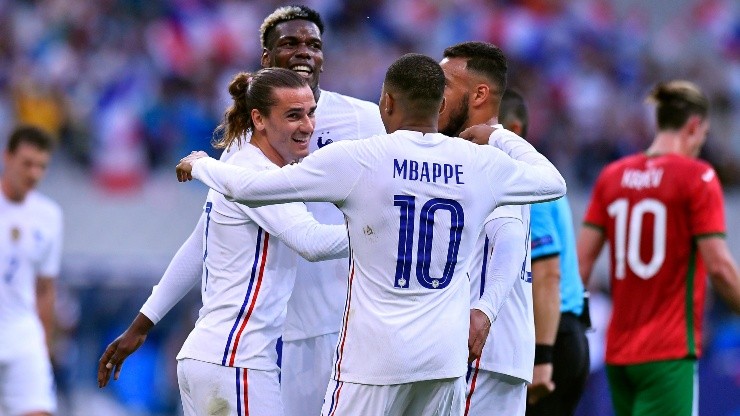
point(421, 171)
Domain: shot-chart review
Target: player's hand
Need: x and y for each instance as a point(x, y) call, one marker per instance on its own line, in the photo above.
point(184, 169)
point(479, 327)
point(478, 134)
point(542, 383)
point(126, 344)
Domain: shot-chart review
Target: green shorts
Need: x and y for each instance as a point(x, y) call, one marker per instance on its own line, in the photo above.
point(656, 388)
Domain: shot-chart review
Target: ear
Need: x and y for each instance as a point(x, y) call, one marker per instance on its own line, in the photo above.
point(443, 106)
point(265, 60)
point(516, 126)
point(257, 120)
point(481, 95)
point(389, 102)
point(692, 125)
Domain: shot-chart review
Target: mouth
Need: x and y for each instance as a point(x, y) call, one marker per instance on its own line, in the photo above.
point(301, 140)
point(302, 70)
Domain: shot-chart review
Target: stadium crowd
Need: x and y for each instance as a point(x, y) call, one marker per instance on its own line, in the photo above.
point(130, 84)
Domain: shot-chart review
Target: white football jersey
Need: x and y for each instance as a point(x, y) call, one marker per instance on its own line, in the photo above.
point(249, 271)
point(415, 205)
point(30, 246)
point(316, 306)
point(509, 347)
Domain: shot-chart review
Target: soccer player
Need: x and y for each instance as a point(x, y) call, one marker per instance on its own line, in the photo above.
point(415, 202)
point(291, 38)
point(229, 360)
point(662, 212)
point(30, 257)
point(561, 353)
point(475, 75)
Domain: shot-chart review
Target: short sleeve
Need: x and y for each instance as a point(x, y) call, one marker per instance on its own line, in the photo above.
point(52, 259)
point(707, 205)
point(545, 238)
point(596, 215)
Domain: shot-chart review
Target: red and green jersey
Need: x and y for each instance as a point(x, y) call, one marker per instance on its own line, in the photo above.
point(652, 210)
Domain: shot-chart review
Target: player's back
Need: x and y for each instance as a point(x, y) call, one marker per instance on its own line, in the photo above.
point(652, 209)
point(414, 213)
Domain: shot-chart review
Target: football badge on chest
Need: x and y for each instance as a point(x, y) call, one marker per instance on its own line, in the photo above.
point(15, 234)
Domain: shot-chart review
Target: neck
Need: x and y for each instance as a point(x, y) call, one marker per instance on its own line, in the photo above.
point(488, 119)
point(669, 143)
point(420, 124)
point(260, 141)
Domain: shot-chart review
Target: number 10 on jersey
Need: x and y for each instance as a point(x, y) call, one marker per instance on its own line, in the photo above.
point(406, 234)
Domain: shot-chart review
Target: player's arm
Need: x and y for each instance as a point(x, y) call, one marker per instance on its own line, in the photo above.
point(299, 230)
point(722, 269)
point(328, 174)
point(526, 176)
point(546, 307)
point(45, 295)
point(183, 272)
point(590, 242)
point(508, 239)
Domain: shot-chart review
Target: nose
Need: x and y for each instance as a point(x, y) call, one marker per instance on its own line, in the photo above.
point(303, 50)
point(306, 125)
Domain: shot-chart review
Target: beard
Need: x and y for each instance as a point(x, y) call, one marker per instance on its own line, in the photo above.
point(457, 119)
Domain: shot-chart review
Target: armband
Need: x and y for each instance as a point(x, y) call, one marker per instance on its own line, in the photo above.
point(543, 354)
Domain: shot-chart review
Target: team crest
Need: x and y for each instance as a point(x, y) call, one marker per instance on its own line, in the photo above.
point(15, 234)
point(321, 142)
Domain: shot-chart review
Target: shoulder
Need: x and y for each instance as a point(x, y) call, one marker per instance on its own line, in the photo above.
point(348, 103)
point(44, 206)
point(251, 157)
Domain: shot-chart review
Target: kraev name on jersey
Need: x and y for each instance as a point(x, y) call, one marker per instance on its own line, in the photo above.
point(413, 170)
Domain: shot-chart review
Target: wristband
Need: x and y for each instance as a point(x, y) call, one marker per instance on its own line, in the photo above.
point(543, 354)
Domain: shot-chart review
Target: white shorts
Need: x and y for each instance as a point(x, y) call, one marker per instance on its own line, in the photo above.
point(490, 393)
point(306, 369)
point(27, 383)
point(422, 398)
point(210, 389)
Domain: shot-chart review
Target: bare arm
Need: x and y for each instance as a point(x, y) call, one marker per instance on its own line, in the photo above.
point(590, 242)
point(45, 295)
point(722, 269)
point(546, 298)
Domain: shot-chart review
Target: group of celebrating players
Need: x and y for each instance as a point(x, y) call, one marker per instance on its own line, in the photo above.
point(418, 257)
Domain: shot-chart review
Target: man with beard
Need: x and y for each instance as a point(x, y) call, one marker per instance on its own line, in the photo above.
point(475, 74)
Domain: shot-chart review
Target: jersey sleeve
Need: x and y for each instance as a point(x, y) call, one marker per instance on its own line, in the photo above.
point(596, 215)
point(545, 238)
point(298, 229)
point(52, 259)
point(508, 237)
point(707, 205)
point(183, 272)
point(328, 174)
point(520, 174)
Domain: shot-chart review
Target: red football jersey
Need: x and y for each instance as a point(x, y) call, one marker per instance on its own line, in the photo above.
point(652, 210)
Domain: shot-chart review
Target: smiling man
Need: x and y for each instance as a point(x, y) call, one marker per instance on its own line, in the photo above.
point(291, 38)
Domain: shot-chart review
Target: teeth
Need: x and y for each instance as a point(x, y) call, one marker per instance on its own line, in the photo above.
point(301, 68)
